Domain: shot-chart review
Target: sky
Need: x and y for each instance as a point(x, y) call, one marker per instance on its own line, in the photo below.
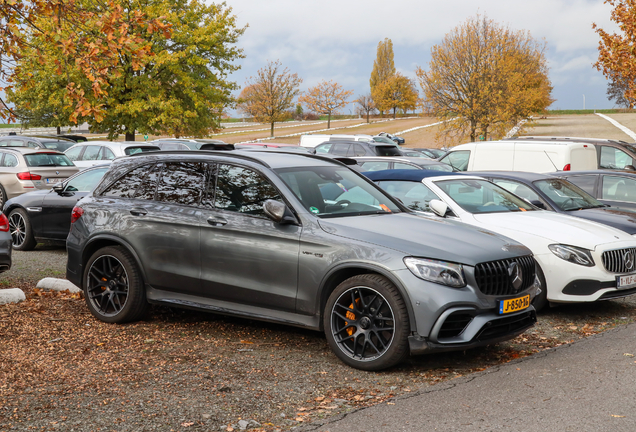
point(337, 39)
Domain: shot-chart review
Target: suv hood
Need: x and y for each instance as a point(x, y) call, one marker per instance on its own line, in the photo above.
point(539, 228)
point(425, 237)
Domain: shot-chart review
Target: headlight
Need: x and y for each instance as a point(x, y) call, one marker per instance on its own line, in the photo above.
point(440, 272)
point(573, 254)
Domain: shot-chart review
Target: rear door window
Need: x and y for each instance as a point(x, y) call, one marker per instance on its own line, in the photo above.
point(356, 150)
point(182, 183)
point(340, 149)
point(323, 148)
point(106, 154)
point(74, 153)
point(91, 153)
point(613, 158)
point(619, 188)
point(585, 182)
point(9, 160)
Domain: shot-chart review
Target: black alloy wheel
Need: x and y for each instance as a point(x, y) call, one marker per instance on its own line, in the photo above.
point(366, 323)
point(21, 231)
point(113, 287)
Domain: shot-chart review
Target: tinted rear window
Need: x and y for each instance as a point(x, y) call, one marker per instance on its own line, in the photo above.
point(133, 149)
point(387, 151)
point(58, 145)
point(47, 159)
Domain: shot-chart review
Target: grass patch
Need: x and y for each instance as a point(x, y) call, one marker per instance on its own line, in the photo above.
point(9, 126)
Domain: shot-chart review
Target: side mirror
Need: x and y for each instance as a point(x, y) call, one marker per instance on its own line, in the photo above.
point(438, 207)
point(538, 203)
point(58, 187)
point(279, 212)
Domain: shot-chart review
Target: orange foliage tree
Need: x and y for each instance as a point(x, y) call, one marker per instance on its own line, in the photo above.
point(326, 98)
point(269, 94)
point(396, 92)
point(89, 36)
point(486, 78)
point(616, 58)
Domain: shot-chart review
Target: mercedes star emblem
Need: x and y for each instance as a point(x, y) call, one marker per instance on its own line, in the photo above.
point(516, 275)
point(628, 259)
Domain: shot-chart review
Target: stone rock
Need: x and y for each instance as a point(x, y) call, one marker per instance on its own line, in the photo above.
point(56, 284)
point(243, 424)
point(11, 295)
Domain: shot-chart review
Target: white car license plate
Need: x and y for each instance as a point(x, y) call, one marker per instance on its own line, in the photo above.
point(54, 180)
point(626, 281)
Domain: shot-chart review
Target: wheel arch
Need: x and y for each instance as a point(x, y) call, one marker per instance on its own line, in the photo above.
point(339, 274)
point(103, 241)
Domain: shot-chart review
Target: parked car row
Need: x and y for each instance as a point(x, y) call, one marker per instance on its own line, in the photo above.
point(422, 260)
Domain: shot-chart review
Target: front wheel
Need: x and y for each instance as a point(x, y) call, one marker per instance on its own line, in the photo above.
point(366, 323)
point(113, 286)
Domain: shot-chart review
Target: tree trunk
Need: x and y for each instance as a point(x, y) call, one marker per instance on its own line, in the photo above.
point(367, 116)
point(271, 133)
point(130, 136)
point(59, 130)
point(328, 119)
point(394, 110)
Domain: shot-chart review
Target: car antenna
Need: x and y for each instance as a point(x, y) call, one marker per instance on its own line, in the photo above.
point(555, 167)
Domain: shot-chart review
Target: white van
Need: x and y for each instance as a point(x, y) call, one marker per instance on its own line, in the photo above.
point(314, 140)
point(532, 156)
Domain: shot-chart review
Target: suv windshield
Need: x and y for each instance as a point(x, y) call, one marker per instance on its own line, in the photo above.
point(567, 196)
point(335, 191)
point(132, 150)
point(481, 196)
point(47, 159)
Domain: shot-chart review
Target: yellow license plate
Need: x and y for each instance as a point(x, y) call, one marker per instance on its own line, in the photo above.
point(514, 305)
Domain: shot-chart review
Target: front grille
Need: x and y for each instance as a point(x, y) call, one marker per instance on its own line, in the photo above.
point(493, 278)
point(615, 262)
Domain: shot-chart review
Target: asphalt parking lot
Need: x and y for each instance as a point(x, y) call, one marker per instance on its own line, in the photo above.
point(184, 370)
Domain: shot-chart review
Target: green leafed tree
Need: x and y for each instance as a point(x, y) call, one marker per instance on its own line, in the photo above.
point(180, 89)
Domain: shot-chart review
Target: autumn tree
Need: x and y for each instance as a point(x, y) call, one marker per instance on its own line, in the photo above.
point(397, 92)
point(84, 39)
point(269, 94)
point(326, 98)
point(383, 66)
point(486, 78)
point(180, 88)
point(616, 91)
point(365, 105)
point(616, 56)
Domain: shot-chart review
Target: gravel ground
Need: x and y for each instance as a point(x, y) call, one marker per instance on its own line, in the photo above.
point(60, 369)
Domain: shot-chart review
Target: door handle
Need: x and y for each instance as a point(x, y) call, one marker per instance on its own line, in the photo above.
point(138, 212)
point(217, 221)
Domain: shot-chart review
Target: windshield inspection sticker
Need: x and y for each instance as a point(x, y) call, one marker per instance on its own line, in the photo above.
point(314, 210)
point(340, 185)
point(385, 208)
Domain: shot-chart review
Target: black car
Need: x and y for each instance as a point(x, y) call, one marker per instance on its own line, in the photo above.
point(616, 188)
point(5, 244)
point(46, 142)
point(370, 163)
point(557, 194)
point(45, 215)
point(185, 144)
point(397, 139)
point(431, 152)
point(357, 148)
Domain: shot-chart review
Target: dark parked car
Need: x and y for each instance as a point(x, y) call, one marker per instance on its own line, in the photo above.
point(45, 215)
point(5, 244)
point(358, 148)
point(183, 144)
point(397, 139)
point(44, 142)
point(370, 163)
point(615, 188)
point(296, 239)
point(557, 194)
point(431, 152)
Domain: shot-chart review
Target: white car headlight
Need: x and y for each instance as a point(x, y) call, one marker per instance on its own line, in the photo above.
point(573, 254)
point(440, 272)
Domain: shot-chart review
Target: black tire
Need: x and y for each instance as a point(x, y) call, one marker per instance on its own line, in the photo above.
point(21, 231)
point(366, 323)
point(3, 197)
point(541, 301)
point(113, 286)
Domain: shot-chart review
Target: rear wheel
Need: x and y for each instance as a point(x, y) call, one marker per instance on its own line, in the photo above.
point(21, 230)
point(3, 197)
point(113, 286)
point(366, 323)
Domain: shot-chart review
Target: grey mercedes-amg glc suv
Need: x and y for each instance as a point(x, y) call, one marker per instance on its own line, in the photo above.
point(296, 239)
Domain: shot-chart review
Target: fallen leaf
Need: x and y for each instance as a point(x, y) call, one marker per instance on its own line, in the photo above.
point(619, 416)
point(628, 355)
point(187, 424)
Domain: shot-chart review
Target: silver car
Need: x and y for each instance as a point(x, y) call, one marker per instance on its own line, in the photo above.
point(24, 169)
point(297, 239)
